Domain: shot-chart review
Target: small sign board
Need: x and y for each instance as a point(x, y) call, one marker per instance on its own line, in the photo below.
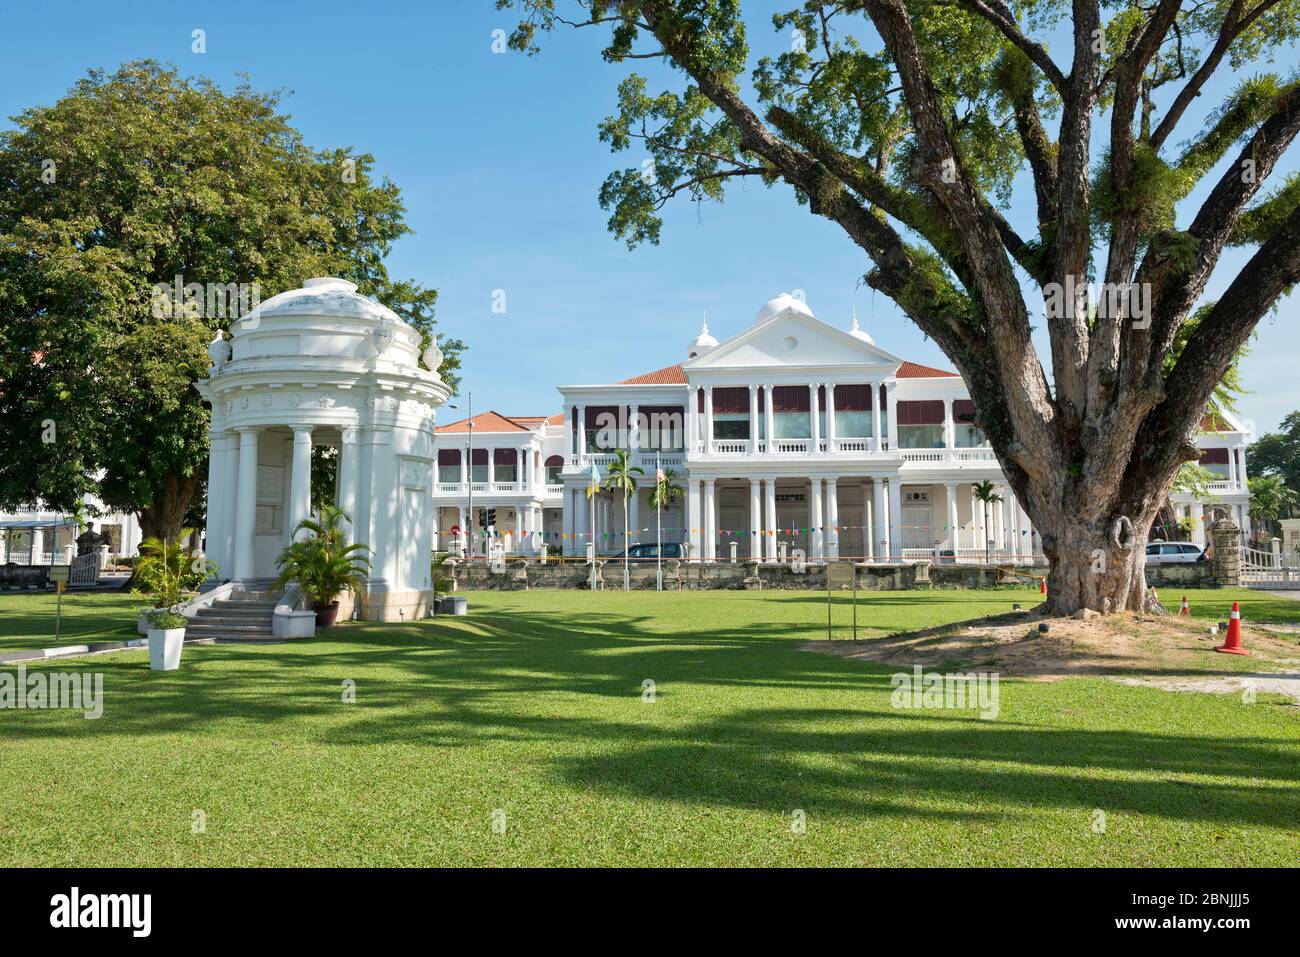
point(839, 573)
point(59, 573)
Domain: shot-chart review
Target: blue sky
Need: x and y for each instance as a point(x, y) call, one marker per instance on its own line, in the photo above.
point(499, 164)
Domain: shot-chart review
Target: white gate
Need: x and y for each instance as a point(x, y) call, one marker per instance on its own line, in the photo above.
point(1272, 570)
point(84, 570)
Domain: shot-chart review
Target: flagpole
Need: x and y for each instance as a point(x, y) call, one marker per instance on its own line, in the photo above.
point(659, 536)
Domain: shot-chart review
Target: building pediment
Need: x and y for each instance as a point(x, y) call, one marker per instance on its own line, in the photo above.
point(792, 340)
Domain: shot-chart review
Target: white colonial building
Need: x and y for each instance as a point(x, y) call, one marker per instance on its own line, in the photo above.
point(791, 434)
point(1223, 439)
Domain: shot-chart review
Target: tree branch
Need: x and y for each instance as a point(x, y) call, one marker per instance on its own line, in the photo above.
point(997, 13)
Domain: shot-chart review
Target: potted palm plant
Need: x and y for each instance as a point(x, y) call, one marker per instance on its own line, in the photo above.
point(165, 572)
point(323, 564)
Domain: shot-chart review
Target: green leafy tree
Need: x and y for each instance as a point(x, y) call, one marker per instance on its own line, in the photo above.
point(621, 479)
point(1270, 499)
point(130, 180)
point(908, 124)
point(1278, 453)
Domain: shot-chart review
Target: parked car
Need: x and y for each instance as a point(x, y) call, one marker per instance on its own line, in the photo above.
point(1174, 553)
point(650, 552)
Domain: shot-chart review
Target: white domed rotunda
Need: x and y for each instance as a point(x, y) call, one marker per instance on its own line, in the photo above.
point(324, 365)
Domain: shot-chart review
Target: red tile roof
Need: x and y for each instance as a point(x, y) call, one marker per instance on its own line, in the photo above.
point(668, 375)
point(485, 422)
point(556, 419)
point(674, 375)
point(914, 370)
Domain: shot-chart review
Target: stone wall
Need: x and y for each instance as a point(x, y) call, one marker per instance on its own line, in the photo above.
point(873, 577)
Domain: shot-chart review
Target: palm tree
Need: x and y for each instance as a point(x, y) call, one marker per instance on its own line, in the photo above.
point(322, 563)
point(1270, 497)
point(988, 497)
point(166, 571)
point(666, 491)
point(621, 477)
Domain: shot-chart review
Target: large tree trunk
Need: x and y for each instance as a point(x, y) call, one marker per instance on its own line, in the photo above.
point(165, 517)
point(1097, 562)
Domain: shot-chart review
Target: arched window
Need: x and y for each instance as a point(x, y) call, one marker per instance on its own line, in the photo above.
point(554, 466)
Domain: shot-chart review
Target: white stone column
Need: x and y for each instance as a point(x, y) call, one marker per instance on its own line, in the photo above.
point(769, 522)
point(519, 530)
point(214, 521)
point(832, 509)
point(708, 420)
point(949, 433)
point(881, 518)
point(831, 436)
point(755, 514)
point(37, 548)
point(891, 412)
point(349, 470)
point(895, 518)
point(300, 489)
point(951, 489)
point(694, 518)
point(692, 416)
point(769, 413)
point(710, 520)
point(633, 506)
point(753, 420)
point(1024, 532)
point(876, 444)
point(633, 428)
point(814, 407)
point(998, 531)
point(246, 505)
point(868, 523)
point(582, 430)
point(521, 474)
point(816, 521)
point(492, 469)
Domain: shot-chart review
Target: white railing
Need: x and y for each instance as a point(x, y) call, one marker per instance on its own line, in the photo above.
point(793, 446)
point(730, 448)
point(1224, 486)
point(555, 490)
point(948, 455)
point(923, 455)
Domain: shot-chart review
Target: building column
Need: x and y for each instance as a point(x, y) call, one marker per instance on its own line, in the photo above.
point(710, 520)
point(816, 521)
point(881, 518)
point(246, 505)
point(694, 518)
point(582, 430)
point(949, 433)
point(769, 415)
point(769, 522)
point(519, 530)
point(753, 420)
point(868, 524)
point(633, 428)
point(997, 532)
point(221, 503)
point(951, 489)
point(633, 505)
point(1025, 531)
point(891, 413)
point(813, 417)
point(692, 426)
point(755, 519)
point(521, 476)
point(895, 518)
point(876, 444)
point(492, 469)
point(708, 420)
point(832, 506)
point(300, 477)
point(831, 436)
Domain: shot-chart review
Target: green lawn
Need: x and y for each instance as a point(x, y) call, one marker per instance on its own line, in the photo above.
point(27, 619)
point(533, 706)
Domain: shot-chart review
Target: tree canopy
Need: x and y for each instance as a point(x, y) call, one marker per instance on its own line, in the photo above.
point(132, 179)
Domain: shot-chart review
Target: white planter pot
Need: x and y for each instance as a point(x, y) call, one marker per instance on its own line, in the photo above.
point(165, 648)
point(142, 625)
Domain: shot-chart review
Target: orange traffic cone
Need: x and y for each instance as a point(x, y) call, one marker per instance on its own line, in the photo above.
point(1184, 610)
point(1042, 586)
point(1232, 644)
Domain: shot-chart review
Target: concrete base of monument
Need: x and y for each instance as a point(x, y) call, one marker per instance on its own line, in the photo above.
point(395, 605)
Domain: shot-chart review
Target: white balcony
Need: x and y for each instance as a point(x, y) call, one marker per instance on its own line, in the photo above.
point(949, 456)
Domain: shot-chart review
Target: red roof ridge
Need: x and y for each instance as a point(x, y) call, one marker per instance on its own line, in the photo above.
point(668, 375)
point(914, 370)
